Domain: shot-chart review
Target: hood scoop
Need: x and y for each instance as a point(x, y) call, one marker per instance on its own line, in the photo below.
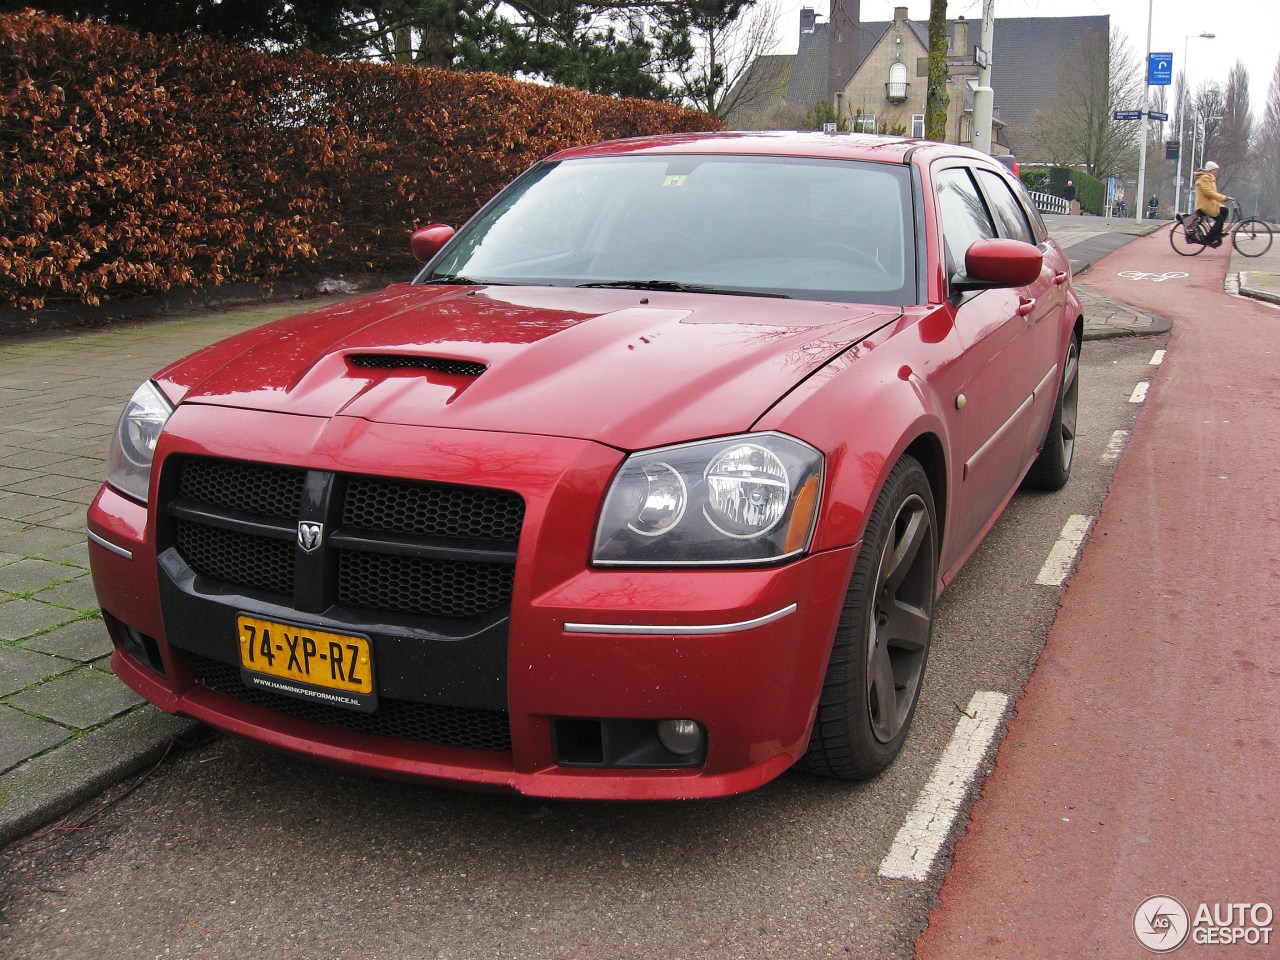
point(401, 361)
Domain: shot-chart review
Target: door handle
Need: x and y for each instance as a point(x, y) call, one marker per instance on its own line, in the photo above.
point(1060, 277)
point(1026, 305)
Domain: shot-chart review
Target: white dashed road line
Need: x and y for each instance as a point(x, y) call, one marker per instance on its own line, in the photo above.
point(1115, 446)
point(1063, 555)
point(1157, 358)
point(929, 823)
point(1140, 392)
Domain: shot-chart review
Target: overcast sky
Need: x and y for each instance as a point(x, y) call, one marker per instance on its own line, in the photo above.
point(1247, 30)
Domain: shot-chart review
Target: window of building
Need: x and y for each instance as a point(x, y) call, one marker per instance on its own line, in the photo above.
point(896, 88)
point(917, 125)
point(865, 122)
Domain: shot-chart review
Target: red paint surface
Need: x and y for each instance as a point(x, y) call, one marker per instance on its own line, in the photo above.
point(1143, 759)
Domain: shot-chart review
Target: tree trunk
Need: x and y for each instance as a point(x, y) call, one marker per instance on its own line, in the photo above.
point(936, 98)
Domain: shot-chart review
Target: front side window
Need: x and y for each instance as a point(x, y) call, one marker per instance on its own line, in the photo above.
point(965, 219)
point(1008, 211)
point(805, 228)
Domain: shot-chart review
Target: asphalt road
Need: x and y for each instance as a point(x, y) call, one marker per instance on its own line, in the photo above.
point(233, 851)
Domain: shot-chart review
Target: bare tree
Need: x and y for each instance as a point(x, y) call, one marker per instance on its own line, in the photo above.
point(1102, 77)
point(1235, 138)
point(1269, 150)
point(1208, 111)
point(727, 72)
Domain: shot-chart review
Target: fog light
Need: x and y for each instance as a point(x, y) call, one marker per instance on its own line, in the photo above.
point(681, 737)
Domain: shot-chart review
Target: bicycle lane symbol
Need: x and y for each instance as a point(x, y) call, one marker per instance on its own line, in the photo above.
point(1153, 277)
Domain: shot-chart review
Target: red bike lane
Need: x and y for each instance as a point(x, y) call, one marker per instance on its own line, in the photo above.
point(1143, 759)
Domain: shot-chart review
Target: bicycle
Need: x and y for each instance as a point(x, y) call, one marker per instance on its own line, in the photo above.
point(1251, 236)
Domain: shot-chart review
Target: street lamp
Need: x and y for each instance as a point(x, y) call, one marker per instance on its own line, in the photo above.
point(1182, 109)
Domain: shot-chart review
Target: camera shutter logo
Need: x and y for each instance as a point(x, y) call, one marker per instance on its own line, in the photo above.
point(310, 535)
point(1161, 924)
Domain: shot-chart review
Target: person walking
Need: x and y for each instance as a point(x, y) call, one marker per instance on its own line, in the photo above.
point(1210, 202)
point(1069, 195)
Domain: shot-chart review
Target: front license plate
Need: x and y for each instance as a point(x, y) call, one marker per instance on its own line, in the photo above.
point(332, 668)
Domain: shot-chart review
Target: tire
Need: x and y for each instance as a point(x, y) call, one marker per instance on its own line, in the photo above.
point(882, 641)
point(1181, 244)
point(1252, 237)
point(1052, 468)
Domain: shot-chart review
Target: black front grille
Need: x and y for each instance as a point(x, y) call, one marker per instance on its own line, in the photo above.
point(415, 584)
point(423, 722)
point(396, 361)
point(434, 550)
point(393, 506)
point(238, 558)
point(244, 487)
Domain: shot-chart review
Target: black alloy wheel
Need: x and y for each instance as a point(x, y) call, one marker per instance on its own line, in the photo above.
point(882, 641)
point(1052, 468)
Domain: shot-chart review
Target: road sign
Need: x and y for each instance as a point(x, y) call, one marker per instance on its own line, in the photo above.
point(1126, 115)
point(980, 57)
point(1171, 150)
point(1159, 69)
point(1156, 115)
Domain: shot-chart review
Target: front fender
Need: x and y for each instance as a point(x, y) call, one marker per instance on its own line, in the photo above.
point(866, 409)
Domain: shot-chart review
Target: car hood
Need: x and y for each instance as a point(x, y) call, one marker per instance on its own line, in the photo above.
point(628, 368)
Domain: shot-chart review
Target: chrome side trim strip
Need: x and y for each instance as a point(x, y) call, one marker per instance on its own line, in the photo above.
point(649, 630)
point(108, 545)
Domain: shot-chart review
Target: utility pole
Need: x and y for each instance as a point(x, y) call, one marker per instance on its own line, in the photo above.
point(1141, 200)
point(983, 95)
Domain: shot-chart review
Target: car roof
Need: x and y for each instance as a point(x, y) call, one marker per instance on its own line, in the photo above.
point(779, 143)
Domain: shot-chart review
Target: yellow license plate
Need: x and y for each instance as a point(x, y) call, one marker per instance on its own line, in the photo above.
point(333, 668)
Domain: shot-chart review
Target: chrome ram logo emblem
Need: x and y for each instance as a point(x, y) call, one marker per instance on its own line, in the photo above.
point(310, 535)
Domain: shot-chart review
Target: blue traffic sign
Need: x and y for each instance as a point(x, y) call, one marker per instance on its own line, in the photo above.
point(1156, 115)
point(1159, 69)
point(1126, 115)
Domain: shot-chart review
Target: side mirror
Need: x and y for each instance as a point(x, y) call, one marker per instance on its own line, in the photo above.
point(990, 264)
point(427, 241)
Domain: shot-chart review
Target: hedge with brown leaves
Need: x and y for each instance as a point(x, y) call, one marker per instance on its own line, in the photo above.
point(131, 164)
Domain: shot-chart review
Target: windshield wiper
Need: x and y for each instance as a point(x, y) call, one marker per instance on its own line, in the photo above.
point(676, 286)
point(458, 279)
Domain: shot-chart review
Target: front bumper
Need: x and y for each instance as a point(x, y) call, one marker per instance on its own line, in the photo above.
point(743, 652)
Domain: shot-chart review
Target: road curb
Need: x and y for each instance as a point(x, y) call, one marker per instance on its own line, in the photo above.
point(1257, 293)
point(48, 786)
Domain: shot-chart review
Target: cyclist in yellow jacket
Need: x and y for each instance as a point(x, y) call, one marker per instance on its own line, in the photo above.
point(1210, 202)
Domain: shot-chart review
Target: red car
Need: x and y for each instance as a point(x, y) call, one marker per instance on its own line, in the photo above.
point(643, 488)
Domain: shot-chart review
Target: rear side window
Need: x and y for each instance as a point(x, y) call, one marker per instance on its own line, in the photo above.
point(965, 219)
point(1009, 214)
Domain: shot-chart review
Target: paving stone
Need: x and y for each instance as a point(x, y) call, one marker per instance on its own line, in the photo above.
point(22, 737)
point(78, 594)
point(21, 668)
point(82, 698)
point(41, 484)
point(24, 618)
point(81, 640)
point(29, 575)
point(36, 541)
point(77, 555)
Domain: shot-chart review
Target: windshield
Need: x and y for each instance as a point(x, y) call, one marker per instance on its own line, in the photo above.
point(803, 228)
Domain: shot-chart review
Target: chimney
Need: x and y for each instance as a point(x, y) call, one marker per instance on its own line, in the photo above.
point(899, 14)
point(961, 36)
point(807, 20)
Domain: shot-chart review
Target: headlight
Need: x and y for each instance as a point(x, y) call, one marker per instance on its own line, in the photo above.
point(134, 444)
point(739, 500)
